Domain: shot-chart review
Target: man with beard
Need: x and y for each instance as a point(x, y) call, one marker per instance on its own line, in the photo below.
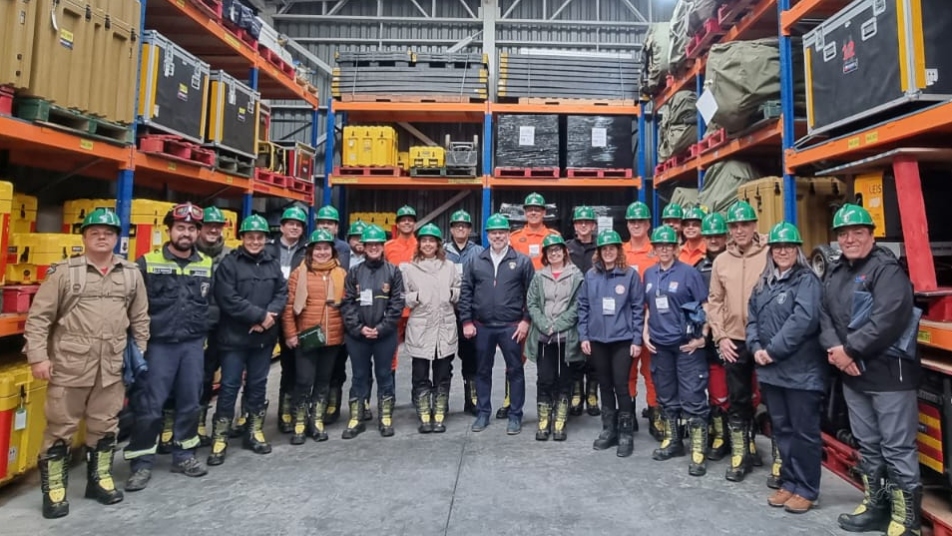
point(178, 282)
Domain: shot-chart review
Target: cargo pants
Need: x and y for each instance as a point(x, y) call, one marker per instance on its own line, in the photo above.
point(66, 406)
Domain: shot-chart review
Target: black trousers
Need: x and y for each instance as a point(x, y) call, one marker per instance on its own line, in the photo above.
point(339, 375)
point(441, 373)
point(313, 370)
point(613, 365)
point(555, 376)
point(288, 360)
point(795, 416)
point(467, 354)
point(740, 384)
point(212, 364)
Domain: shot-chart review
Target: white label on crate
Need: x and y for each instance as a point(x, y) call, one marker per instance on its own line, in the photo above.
point(124, 246)
point(932, 76)
point(599, 137)
point(707, 105)
point(526, 135)
point(12, 455)
point(605, 223)
point(19, 419)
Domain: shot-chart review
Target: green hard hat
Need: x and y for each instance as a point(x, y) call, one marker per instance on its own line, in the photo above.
point(850, 214)
point(672, 212)
point(294, 213)
point(664, 235)
point(254, 223)
point(321, 235)
point(213, 215)
point(328, 213)
point(784, 233)
point(694, 213)
point(373, 234)
point(356, 228)
point(553, 240)
point(583, 213)
point(741, 211)
point(534, 200)
point(638, 211)
point(713, 225)
point(461, 216)
point(497, 222)
point(608, 238)
point(430, 230)
point(102, 216)
point(406, 210)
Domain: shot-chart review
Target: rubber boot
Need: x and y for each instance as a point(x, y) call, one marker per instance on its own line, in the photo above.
point(285, 419)
point(355, 426)
point(203, 438)
point(576, 405)
point(773, 481)
point(99, 482)
point(672, 446)
point(740, 454)
point(720, 446)
point(699, 440)
point(440, 409)
point(254, 438)
point(334, 398)
point(561, 417)
point(165, 437)
point(54, 479)
point(544, 410)
point(503, 412)
point(626, 439)
point(220, 435)
point(423, 400)
point(591, 398)
point(469, 397)
point(873, 514)
point(385, 409)
point(365, 413)
point(609, 436)
point(906, 508)
point(755, 459)
point(300, 424)
point(241, 424)
point(318, 418)
point(656, 423)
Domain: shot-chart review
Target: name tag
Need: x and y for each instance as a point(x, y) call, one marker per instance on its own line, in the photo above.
point(534, 250)
point(366, 297)
point(661, 304)
point(608, 306)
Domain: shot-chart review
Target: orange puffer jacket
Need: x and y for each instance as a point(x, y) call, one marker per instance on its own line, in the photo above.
point(319, 310)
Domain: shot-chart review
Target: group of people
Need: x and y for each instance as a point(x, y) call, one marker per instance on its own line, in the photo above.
point(716, 317)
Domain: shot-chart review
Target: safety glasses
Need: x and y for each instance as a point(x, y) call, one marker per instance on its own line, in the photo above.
point(187, 212)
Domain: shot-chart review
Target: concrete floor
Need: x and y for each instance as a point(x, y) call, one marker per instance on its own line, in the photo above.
point(454, 483)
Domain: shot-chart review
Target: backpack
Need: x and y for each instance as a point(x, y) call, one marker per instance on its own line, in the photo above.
point(77, 283)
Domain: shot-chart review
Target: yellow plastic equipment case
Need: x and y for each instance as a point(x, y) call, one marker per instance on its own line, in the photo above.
point(815, 197)
point(123, 59)
point(23, 214)
point(232, 115)
point(357, 147)
point(6, 207)
point(874, 56)
point(403, 160)
point(231, 228)
point(17, 22)
point(385, 147)
point(173, 89)
point(30, 255)
point(75, 211)
point(21, 419)
point(147, 232)
point(423, 156)
point(61, 68)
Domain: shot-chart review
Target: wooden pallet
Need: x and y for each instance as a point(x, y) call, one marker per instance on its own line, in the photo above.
point(709, 33)
point(532, 173)
point(384, 171)
point(730, 13)
point(6, 100)
point(542, 101)
point(44, 112)
point(443, 99)
point(598, 173)
point(212, 8)
point(269, 177)
point(233, 163)
point(175, 148)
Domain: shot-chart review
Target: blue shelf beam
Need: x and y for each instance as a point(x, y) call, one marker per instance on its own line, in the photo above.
point(789, 134)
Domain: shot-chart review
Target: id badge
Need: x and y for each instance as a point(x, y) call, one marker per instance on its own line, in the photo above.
point(286, 271)
point(534, 250)
point(608, 306)
point(661, 304)
point(366, 297)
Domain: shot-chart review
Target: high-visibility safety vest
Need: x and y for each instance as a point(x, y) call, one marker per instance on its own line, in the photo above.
point(179, 296)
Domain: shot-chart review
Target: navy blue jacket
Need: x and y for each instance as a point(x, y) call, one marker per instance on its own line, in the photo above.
point(247, 288)
point(677, 285)
point(496, 299)
point(385, 281)
point(469, 252)
point(625, 288)
point(784, 319)
point(180, 295)
point(343, 252)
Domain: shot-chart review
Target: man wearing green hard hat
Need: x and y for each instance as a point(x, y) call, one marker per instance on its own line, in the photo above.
point(528, 240)
point(672, 215)
point(582, 251)
point(461, 250)
point(868, 327)
point(329, 219)
point(356, 246)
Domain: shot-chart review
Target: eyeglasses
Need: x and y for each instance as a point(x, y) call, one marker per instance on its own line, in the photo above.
point(187, 212)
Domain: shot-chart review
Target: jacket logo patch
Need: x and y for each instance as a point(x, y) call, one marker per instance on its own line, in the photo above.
point(512, 265)
point(204, 289)
point(619, 289)
point(673, 286)
point(782, 298)
point(385, 288)
point(522, 239)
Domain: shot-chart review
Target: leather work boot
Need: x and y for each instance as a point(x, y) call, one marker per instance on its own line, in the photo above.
point(799, 505)
point(591, 399)
point(440, 409)
point(673, 444)
point(576, 404)
point(99, 483)
point(318, 413)
point(609, 436)
point(334, 398)
point(355, 426)
point(544, 410)
point(740, 455)
point(300, 424)
point(203, 437)
point(220, 435)
point(561, 417)
point(165, 437)
point(779, 498)
point(503, 412)
point(773, 481)
point(699, 439)
point(54, 479)
point(906, 509)
point(872, 515)
point(423, 400)
point(285, 419)
point(626, 440)
point(469, 397)
point(720, 446)
point(254, 438)
point(385, 408)
point(656, 423)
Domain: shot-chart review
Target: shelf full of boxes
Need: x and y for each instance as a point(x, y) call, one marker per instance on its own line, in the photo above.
point(76, 104)
point(559, 134)
point(889, 142)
